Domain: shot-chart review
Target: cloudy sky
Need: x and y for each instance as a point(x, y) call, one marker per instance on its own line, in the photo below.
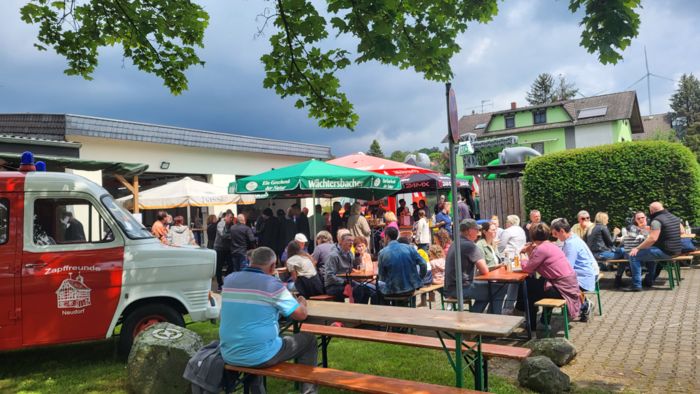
point(497, 64)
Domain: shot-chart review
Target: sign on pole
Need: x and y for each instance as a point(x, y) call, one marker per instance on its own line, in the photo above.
point(452, 115)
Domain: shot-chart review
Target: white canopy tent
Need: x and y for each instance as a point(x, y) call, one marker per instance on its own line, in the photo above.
point(185, 193)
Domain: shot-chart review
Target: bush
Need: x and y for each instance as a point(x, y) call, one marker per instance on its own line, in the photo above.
point(614, 178)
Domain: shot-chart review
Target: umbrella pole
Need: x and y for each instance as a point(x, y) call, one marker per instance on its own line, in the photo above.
point(313, 197)
point(188, 215)
point(455, 216)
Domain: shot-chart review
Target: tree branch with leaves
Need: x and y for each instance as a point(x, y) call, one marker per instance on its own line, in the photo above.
point(161, 38)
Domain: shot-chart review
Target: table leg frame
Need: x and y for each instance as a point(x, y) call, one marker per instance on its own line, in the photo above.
point(472, 358)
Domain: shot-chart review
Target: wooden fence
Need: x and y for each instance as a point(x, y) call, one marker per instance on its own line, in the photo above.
point(501, 197)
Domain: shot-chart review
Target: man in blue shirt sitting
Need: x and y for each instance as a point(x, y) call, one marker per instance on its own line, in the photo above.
point(253, 299)
point(399, 266)
point(581, 259)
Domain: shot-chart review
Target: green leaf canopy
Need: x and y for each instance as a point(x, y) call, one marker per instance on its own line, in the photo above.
point(325, 179)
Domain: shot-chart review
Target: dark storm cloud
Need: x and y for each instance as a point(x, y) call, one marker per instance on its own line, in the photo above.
point(498, 62)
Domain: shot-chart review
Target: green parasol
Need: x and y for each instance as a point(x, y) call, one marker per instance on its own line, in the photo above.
point(318, 178)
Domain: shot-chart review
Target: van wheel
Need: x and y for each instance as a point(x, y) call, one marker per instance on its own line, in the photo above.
point(143, 317)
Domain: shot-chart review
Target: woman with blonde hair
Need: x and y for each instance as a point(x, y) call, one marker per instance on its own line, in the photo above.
point(599, 240)
point(390, 221)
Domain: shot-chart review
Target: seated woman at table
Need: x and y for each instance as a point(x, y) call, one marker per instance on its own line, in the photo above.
point(488, 244)
point(302, 269)
point(363, 260)
point(601, 242)
point(557, 277)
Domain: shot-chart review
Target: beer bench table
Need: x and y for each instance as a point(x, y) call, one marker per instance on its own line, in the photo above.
point(488, 350)
point(672, 267)
point(347, 380)
point(504, 277)
point(444, 323)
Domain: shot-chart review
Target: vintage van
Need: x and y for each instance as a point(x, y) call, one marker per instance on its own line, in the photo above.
point(74, 266)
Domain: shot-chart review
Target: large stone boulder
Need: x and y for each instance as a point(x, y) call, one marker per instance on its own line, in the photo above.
point(559, 350)
point(159, 357)
point(540, 374)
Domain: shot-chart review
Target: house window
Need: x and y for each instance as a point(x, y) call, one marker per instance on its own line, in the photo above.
point(538, 146)
point(61, 221)
point(539, 116)
point(4, 219)
point(510, 121)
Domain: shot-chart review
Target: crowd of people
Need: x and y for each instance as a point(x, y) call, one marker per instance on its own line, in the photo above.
point(567, 257)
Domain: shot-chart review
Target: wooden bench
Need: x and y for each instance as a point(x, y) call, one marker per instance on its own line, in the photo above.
point(453, 301)
point(346, 380)
point(427, 290)
point(322, 297)
point(672, 266)
point(548, 305)
point(488, 350)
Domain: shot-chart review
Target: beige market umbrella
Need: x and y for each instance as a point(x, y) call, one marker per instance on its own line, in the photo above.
point(185, 193)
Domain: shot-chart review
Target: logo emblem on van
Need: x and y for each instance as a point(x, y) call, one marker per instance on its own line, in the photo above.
point(73, 294)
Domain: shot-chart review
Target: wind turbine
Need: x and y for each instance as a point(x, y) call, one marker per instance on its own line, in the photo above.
point(647, 76)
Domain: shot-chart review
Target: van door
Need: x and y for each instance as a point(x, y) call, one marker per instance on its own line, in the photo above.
point(72, 269)
point(10, 233)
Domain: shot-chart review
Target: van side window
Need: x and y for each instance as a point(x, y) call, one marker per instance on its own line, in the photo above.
point(4, 219)
point(60, 221)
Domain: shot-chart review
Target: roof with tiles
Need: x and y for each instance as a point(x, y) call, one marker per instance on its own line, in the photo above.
point(654, 124)
point(58, 126)
point(621, 105)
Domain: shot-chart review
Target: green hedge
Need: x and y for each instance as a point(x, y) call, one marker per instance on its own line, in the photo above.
point(614, 178)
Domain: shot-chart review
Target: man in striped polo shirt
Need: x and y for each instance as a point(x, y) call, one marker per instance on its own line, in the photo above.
point(253, 299)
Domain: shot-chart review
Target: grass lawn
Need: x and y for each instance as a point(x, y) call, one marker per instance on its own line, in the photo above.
point(94, 368)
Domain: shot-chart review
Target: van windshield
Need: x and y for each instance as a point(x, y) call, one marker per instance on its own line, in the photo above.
point(131, 227)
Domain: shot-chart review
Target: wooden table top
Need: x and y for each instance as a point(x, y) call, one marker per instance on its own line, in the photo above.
point(360, 275)
point(421, 318)
point(501, 275)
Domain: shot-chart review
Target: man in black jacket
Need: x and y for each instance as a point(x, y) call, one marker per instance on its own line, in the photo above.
point(242, 239)
point(663, 242)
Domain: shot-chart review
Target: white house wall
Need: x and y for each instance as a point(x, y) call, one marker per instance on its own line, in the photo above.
point(593, 134)
point(220, 166)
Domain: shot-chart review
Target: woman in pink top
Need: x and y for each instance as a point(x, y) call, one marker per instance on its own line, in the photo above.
point(390, 220)
point(557, 278)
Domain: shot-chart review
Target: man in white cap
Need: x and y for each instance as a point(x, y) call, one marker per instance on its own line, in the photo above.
point(301, 240)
